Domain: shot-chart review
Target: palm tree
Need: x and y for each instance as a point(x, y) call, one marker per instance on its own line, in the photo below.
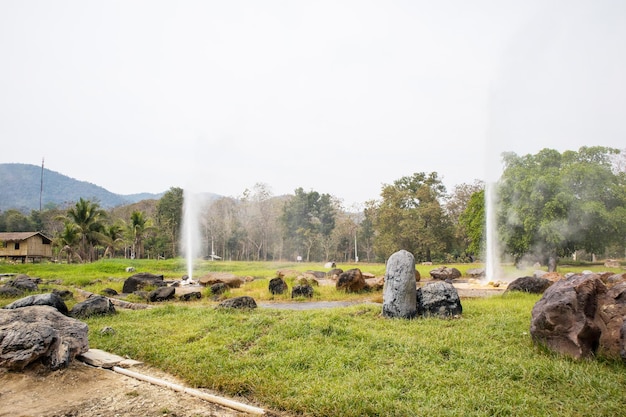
point(68, 241)
point(137, 230)
point(113, 238)
point(87, 217)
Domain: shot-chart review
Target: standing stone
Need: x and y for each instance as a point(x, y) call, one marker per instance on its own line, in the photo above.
point(400, 292)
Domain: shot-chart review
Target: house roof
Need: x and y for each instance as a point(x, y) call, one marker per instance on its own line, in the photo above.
point(19, 236)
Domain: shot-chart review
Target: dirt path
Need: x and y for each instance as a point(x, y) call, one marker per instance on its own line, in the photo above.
point(85, 391)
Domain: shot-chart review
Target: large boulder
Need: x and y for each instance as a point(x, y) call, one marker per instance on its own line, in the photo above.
point(243, 302)
point(443, 273)
point(351, 281)
point(533, 285)
point(40, 334)
point(400, 292)
point(95, 305)
point(49, 299)
point(142, 280)
point(438, 299)
point(564, 318)
point(277, 286)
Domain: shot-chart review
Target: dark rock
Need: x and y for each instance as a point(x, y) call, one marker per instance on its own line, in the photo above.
point(162, 294)
point(563, 320)
point(302, 291)
point(109, 292)
point(194, 295)
point(40, 334)
point(219, 288)
point(95, 305)
point(351, 281)
point(10, 292)
point(64, 294)
point(334, 273)
point(239, 302)
point(142, 280)
point(439, 299)
point(49, 299)
point(444, 272)
point(399, 293)
point(24, 282)
point(277, 286)
point(533, 285)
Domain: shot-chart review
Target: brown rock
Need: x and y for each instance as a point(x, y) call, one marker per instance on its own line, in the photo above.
point(564, 318)
point(351, 281)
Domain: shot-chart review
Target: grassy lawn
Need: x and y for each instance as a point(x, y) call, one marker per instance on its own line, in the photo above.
point(350, 361)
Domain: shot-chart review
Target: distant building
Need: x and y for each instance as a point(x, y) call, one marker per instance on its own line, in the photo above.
point(24, 246)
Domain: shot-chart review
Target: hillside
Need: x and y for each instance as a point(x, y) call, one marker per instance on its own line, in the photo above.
point(20, 186)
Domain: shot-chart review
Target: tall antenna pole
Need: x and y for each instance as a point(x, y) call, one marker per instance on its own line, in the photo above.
point(41, 185)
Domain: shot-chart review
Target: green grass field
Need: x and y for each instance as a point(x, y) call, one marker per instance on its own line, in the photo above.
point(350, 361)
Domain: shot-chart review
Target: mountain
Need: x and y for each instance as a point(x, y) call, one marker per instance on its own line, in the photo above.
point(20, 186)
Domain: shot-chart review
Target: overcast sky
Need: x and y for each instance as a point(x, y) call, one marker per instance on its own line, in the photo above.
point(336, 96)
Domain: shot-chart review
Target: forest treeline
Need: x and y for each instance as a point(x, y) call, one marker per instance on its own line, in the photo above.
point(548, 205)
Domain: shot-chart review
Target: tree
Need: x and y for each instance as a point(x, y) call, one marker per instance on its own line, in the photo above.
point(307, 218)
point(552, 204)
point(411, 217)
point(15, 221)
point(88, 219)
point(113, 238)
point(138, 228)
point(170, 215)
point(456, 205)
point(68, 241)
point(256, 218)
point(472, 224)
point(221, 225)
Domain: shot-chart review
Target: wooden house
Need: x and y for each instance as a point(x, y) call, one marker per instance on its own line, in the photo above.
point(24, 246)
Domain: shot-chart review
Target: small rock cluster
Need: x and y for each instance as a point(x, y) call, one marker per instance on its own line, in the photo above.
point(401, 298)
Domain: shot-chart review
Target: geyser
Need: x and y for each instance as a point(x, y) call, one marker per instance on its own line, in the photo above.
point(190, 232)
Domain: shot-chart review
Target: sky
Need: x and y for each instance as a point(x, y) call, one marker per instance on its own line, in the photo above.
point(338, 97)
